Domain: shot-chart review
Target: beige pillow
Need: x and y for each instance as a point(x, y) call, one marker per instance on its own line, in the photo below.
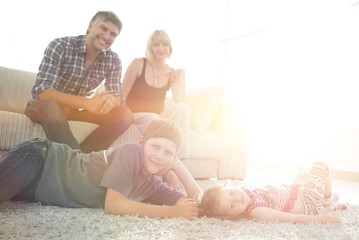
point(204, 104)
point(15, 89)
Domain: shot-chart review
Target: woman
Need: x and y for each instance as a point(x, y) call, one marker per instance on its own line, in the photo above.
point(148, 80)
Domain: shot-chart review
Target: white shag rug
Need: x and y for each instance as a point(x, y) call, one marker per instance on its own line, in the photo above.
point(19, 220)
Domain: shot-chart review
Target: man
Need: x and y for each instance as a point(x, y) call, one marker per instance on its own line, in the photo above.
point(70, 72)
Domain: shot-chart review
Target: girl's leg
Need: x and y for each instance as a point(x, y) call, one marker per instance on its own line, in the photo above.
point(20, 167)
point(331, 198)
point(313, 185)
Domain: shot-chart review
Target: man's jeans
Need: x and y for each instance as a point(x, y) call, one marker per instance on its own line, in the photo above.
point(54, 120)
point(21, 169)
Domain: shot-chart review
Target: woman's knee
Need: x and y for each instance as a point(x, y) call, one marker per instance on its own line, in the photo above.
point(182, 107)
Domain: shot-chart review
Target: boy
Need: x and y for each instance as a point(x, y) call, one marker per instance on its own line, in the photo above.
point(125, 180)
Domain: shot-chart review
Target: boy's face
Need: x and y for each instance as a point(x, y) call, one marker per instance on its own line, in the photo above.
point(159, 153)
point(232, 202)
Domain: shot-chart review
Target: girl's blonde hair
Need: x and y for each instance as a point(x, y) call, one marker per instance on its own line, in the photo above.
point(157, 36)
point(209, 202)
point(164, 128)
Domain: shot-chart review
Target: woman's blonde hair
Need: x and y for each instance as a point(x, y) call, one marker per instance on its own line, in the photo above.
point(157, 36)
point(164, 128)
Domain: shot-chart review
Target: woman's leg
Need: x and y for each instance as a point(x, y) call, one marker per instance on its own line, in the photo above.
point(20, 167)
point(142, 119)
point(181, 114)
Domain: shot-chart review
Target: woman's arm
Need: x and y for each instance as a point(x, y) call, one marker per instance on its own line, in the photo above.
point(268, 214)
point(178, 85)
point(116, 203)
point(133, 71)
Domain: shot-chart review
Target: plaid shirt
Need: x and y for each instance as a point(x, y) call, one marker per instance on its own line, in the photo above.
point(63, 68)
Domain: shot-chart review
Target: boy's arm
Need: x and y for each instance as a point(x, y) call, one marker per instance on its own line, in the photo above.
point(189, 183)
point(264, 213)
point(116, 203)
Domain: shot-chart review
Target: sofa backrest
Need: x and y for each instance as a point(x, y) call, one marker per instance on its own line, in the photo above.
point(15, 89)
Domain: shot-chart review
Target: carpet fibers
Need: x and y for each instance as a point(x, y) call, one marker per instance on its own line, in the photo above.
point(19, 220)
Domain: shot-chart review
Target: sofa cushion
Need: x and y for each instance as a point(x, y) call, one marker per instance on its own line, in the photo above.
point(204, 104)
point(22, 81)
point(205, 145)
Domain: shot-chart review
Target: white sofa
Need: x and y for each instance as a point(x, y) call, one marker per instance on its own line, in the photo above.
point(218, 139)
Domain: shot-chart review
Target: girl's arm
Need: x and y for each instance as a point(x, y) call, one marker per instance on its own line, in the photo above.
point(178, 85)
point(268, 214)
point(116, 203)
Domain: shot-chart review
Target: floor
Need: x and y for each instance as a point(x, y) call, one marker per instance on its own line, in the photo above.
point(348, 190)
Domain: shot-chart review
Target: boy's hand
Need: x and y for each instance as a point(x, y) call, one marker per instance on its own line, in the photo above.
point(186, 208)
point(169, 167)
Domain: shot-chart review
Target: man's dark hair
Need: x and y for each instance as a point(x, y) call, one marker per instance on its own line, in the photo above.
point(107, 16)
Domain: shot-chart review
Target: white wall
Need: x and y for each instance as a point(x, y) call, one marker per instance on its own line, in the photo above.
point(295, 64)
point(196, 31)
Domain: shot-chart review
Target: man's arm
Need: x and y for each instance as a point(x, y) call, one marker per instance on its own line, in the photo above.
point(100, 103)
point(116, 203)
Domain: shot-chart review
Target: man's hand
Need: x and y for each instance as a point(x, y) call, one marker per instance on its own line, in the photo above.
point(109, 102)
point(101, 103)
point(186, 208)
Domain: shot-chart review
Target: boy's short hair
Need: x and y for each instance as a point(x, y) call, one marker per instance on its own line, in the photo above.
point(107, 16)
point(164, 128)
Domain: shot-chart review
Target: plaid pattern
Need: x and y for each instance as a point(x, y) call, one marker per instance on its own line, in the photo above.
point(63, 68)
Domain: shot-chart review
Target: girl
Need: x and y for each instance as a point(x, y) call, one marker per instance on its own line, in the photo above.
point(299, 202)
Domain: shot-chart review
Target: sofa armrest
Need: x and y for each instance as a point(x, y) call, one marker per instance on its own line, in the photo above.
point(232, 121)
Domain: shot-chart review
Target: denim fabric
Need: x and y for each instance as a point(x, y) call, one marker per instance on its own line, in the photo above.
point(21, 169)
point(54, 120)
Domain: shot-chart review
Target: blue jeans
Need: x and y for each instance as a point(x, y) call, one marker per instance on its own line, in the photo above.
point(21, 169)
point(54, 120)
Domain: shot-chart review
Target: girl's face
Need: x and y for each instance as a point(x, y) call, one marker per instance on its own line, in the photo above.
point(159, 154)
point(160, 50)
point(232, 202)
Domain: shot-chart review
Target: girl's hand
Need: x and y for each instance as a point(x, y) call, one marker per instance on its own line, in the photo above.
point(328, 219)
